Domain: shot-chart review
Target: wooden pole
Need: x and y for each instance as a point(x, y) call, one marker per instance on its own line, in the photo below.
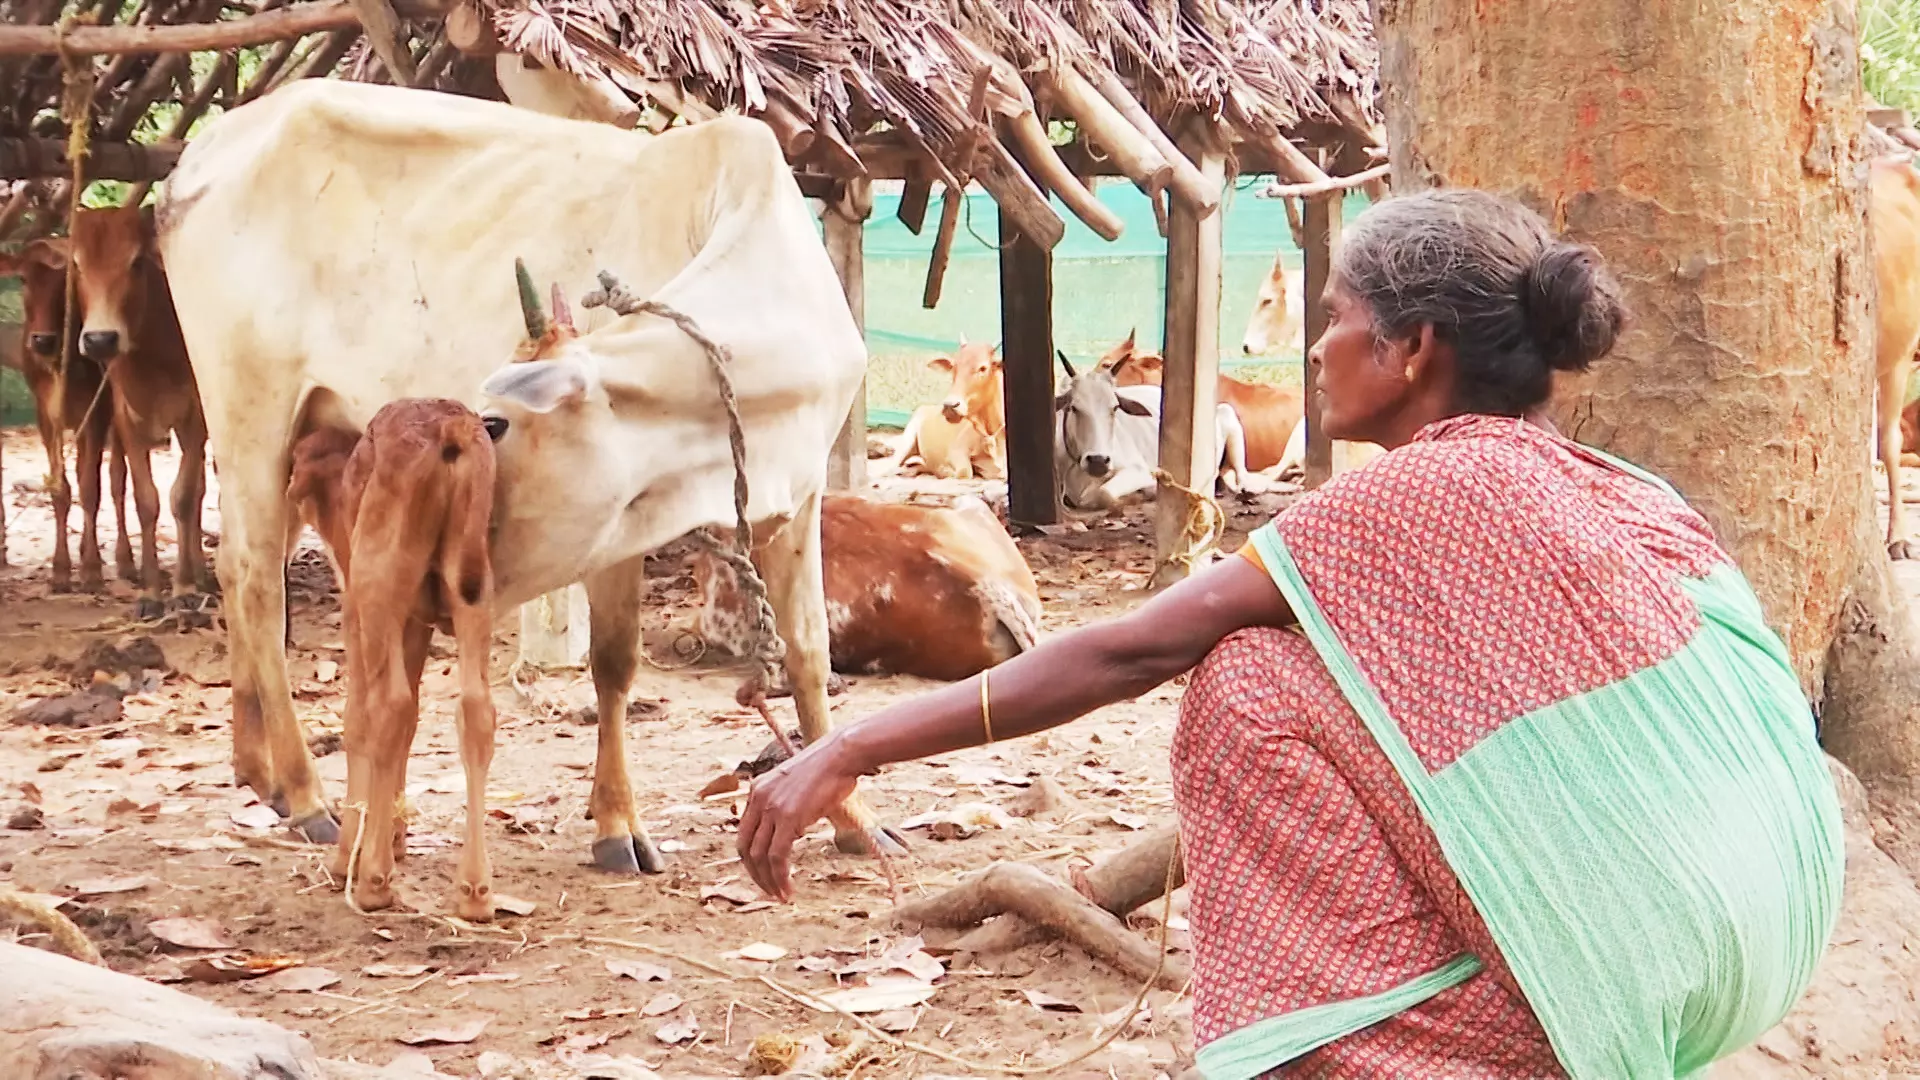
point(225, 34)
point(844, 221)
point(1188, 447)
point(1026, 346)
point(1322, 229)
point(32, 159)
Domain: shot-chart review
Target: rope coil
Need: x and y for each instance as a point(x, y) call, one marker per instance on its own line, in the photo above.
point(1204, 528)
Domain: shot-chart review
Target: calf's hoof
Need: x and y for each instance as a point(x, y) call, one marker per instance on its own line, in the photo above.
point(62, 584)
point(1902, 550)
point(149, 609)
point(125, 570)
point(373, 894)
point(473, 903)
point(318, 827)
point(628, 855)
point(874, 840)
point(92, 581)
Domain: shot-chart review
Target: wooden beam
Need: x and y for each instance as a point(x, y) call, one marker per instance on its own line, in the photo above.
point(844, 222)
point(388, 38)
point(194, 108)
point(951, 200)
point(1321, 229)
point(267, 72)
point(289, 22)
point(1127, 147)
point(1026, 349)
point(325, 56)
point(1188, 447)
point(1186, 182)
point(33, 159)
point(913, 201)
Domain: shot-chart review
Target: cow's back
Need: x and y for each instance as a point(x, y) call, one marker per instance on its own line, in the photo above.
point(1268, 413)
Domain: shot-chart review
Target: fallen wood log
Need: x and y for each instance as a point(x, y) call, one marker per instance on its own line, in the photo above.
point(61, 1017)
point(1027, 138)
point(1187, 181)
point(1126, 146)
point(32, 159)
point(1118, 884)
point(1017, 889)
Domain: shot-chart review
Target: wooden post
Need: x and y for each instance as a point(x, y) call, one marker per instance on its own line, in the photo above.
point(1322, 228)
point(1189, 388)
point(844, 220)
point(1026, 346)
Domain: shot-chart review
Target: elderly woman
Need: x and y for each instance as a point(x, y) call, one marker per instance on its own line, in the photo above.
point(1489, 766)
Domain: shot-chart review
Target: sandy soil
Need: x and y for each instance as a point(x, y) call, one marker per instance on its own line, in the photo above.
point(138, 821)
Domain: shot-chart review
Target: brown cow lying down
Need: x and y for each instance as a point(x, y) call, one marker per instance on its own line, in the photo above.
point(911, 590)
point(404, 510)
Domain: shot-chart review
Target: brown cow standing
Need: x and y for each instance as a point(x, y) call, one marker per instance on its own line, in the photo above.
point(128, 326)
point(911, 590)
point(85, 409)
point(1267, 413)
point(1895, 217)
point(964, 436)
point(404, 511)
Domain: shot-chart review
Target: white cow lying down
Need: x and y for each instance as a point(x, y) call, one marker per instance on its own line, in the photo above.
point(336, 246)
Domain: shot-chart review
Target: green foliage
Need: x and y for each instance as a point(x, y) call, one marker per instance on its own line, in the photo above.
point(1890, 51)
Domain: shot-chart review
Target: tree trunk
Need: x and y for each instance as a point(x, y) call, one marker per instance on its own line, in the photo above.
point(1712, 153)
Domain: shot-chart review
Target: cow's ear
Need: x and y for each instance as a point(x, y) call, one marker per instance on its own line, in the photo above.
point(1148, 362)
point(941, 364)
point(540, 386)
point(1133, 408)
point(50, 253)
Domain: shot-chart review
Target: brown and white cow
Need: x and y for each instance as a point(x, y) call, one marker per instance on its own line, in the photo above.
point(1895, 218)
point(404, 510)
point(941, 593)
point(85, 409)
point(1267, 413)
point(964, 436)
point(128, 326)
point(1278, 321)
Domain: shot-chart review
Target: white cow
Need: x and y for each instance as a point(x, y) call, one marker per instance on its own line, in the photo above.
point(336, 246)
point(1106, 439)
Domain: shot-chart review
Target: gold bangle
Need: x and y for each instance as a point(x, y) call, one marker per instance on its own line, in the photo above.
point(986, 714)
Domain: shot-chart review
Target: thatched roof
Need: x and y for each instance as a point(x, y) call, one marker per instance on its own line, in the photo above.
point(954, 90)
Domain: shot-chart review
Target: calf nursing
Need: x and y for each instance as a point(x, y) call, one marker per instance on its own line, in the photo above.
point(404, 510)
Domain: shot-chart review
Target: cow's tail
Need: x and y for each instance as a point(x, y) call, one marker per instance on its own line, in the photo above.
point(468, 453)
point(1014, 614)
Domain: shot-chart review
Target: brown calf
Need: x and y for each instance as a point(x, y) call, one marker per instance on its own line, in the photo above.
point(404, 511)
point(963, 436)
point(911, 590)
point(128, 327)
point(85, 409)
point(1268, 413)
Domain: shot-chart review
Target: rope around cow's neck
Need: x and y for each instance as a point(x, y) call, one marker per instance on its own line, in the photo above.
point(768, 649)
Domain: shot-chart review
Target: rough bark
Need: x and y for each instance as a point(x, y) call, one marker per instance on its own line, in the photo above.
point(1711, 152)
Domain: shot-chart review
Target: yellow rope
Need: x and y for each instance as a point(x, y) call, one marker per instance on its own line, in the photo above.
point(1206, 524)
point(66, 935)
point(76, 108)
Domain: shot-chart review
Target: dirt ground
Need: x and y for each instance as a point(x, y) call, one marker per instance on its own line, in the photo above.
point(137, 821)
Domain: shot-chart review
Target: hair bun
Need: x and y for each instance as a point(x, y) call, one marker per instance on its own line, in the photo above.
point(1574, 311)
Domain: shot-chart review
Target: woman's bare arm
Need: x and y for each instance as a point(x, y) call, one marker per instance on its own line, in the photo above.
point(1063, 679)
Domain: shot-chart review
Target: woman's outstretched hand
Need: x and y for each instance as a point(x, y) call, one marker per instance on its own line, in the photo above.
point(784, 804)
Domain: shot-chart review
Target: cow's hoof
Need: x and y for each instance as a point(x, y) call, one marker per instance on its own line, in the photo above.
point(149, 609)
point(1902, 550)
point(62, 585)
point(473, 905)
point(92, 581)
point(876, 840)
point(318, 827)
point(628, 855)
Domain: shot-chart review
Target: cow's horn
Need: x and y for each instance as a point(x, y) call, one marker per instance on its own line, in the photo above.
point(529, 301)
point(1071, 374)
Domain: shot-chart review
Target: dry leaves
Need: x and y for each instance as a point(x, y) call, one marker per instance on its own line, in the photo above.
point(191, 933)
point(661, 1005)
point(1046, 1002)
point(638, 971)
point(452, 1034)
point(255, 816)
point(733, 891)
point(678, 1030)
point(513, 905)
point(238, 967)
point(297, 980)
point(107, 886)
point(880, 995)
point(395, 971)
point(760, 951)
point(1125, 820)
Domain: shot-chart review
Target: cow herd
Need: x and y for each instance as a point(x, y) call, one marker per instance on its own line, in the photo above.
point(325, 296)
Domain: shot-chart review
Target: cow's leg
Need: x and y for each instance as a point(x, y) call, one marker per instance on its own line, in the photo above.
point(117, 491)
point(189, 493)
point(1891, 397)
point(473, 632)
point(387, 734)
point(620, 843)
point(62, 500)
point(796, 589)
point(87, 445)
point(909, 446)
point(146, 503)
point(270, 747)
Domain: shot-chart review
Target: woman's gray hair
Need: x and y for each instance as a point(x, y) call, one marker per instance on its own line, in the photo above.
point(1514, 301)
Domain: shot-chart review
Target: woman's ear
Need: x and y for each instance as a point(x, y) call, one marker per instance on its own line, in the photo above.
point(1422, 349)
